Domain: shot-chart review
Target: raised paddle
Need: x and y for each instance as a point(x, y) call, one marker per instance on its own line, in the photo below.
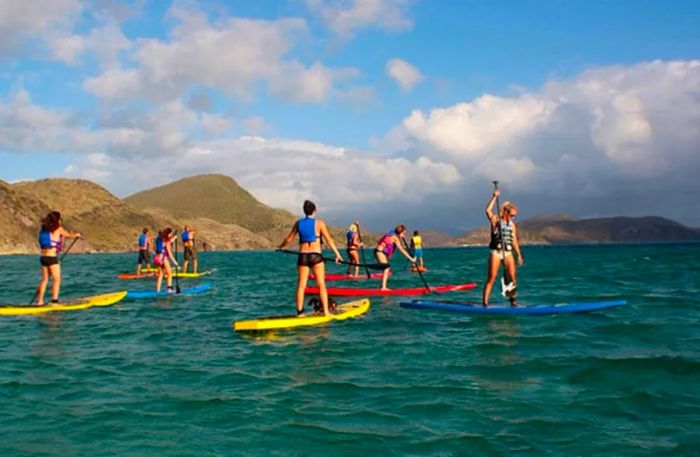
point(36, 294)
point(177, 268)
point(507, 285)
point(427, 287)
point(373, 266)
point(362, 250)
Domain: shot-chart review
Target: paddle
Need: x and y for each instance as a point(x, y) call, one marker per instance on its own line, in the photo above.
point(373, 266)
point(507, 284)
point(420, 273)
point(177, 268)
point(362, 250)
point(36, 294)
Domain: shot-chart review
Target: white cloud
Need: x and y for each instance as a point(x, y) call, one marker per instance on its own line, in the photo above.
point(347, 16)
point(405, 74)
point(30, 20)
point(232, 55)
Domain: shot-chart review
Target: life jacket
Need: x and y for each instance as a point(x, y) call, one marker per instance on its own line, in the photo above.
point(502, 237)
point(142, 241)
point(185, 236)
point(160, 246)
point(351, 238)
point(307, 230)
point(47, 242)
point(389, 245)
point(417, 242)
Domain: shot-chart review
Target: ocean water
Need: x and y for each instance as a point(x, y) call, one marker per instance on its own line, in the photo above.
point(169, 377)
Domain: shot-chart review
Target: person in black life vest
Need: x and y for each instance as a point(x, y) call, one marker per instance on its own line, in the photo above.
point(50, 242)
point(190, 252)
point(311, 231)
point(504, 241)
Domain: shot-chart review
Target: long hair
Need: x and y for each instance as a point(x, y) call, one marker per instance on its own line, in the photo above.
point(51, 222)
point(507, 208)
point(400, 229)
point(165, 234)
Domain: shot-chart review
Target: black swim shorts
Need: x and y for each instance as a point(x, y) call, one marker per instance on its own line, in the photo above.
point(309, 259)
point(47, 261)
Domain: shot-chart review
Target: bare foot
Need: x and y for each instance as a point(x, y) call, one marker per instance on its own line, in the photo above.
point(384, 289)
point(485, 305)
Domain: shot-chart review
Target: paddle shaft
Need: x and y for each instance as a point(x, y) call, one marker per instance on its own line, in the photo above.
point(374, 266)
point(177, 268)
point(362, 251)
point(36, 294)
point(420, 273)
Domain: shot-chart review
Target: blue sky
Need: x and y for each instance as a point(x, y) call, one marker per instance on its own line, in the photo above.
point(381, 110)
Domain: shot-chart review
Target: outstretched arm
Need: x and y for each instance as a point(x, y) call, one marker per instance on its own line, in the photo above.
point(399, 246)
point(489, 207)
point(289, 237)
point(66, 234)
point(327, 236)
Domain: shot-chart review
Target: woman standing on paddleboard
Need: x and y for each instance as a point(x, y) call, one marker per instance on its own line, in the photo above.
point(311, 231)
point(353, 246)
point(50, 241)
point(162, 258)
point(385, 249)
point(504, 240)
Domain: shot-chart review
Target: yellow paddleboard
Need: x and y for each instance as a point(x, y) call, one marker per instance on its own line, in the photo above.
point(73, 305)
point(344, 311)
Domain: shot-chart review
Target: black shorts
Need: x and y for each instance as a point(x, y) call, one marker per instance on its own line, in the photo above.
point(190, 253)
point(47, 261)
point(144, 257)
point(309, 259)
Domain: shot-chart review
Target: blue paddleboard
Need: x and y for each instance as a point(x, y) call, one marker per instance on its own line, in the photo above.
point(200, 289)
point(476, 308)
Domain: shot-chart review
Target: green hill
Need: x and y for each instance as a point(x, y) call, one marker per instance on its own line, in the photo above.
point(215, 197)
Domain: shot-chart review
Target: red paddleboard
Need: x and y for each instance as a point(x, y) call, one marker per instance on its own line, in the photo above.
point(351, 291)
point(346, 277)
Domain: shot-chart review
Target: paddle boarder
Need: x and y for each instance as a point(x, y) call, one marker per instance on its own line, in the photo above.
point(504, 241)
point(51, 238)
point(144, 251)
point(162, 258)
point(188, 242)
point(417, 250)
point(311, 232)
point(386, 247)
point(352, 248)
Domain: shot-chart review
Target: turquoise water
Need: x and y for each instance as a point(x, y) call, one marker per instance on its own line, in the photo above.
point(169, 377)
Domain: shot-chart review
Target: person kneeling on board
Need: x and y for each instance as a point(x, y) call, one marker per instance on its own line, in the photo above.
point(311, 231)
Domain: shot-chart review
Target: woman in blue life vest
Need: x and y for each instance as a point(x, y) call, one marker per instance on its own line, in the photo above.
point(386, 246)
point(50, 242)
point(190, 253)
point(352, 248)
point(311, 231)
point(504, 241)
point(144, 251)
point(162, 258)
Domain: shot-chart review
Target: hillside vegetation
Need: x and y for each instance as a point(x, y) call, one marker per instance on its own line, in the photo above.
point(215, 197)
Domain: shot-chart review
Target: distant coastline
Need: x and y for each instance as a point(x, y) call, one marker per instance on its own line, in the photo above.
point(229, 218)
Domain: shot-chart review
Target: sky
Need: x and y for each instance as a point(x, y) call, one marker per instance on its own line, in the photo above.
point(383, 111)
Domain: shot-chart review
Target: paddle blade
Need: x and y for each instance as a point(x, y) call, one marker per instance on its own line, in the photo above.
point(508, 289)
